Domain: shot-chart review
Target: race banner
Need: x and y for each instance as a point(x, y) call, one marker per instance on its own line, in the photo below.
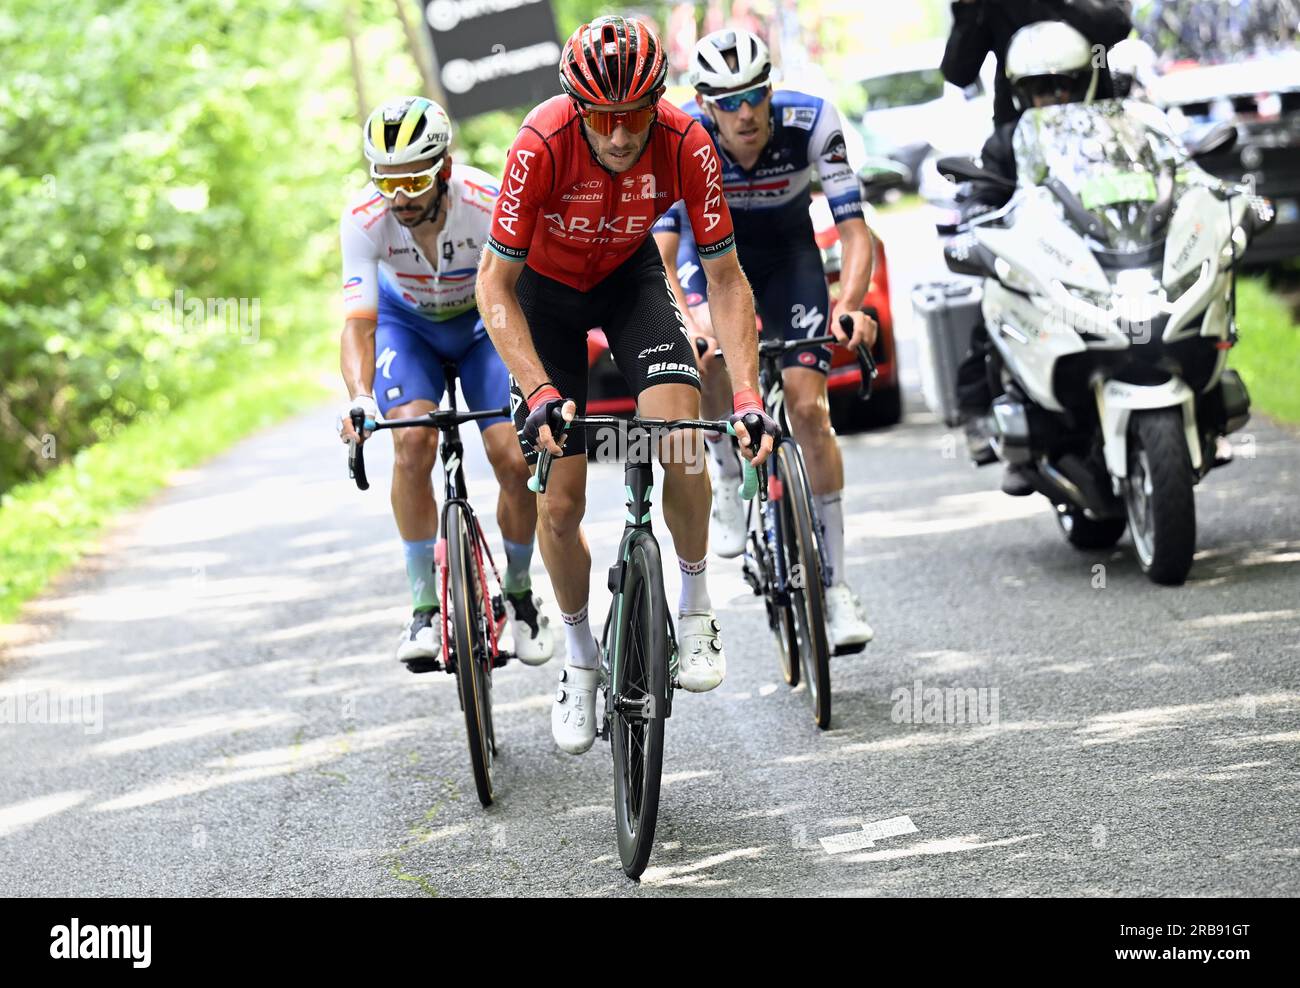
point(493, 54)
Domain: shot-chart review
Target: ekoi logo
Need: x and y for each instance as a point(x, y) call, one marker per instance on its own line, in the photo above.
point(508, 205)
point(712, 185)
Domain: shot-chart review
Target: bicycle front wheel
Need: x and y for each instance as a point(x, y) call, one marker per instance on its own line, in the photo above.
point(799, 539)
point(469, 644)
point(639, 686)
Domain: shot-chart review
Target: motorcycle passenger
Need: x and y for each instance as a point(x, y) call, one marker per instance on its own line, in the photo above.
point(983, 26)
point(1048, 64)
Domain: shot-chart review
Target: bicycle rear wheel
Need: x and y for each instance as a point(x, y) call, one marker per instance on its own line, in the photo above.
point(804, 574)
point(639, 686)
point(469, 644)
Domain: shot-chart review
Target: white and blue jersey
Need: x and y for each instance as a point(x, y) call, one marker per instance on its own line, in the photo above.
point(775, 240)
point(424, 307)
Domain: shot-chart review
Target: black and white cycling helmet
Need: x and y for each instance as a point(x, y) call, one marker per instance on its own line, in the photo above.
point(727, 61)
point(1052, 57)
point(1132, 65)
point(412, 128)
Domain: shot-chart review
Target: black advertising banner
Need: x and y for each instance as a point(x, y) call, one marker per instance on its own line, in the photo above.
point(493, 54)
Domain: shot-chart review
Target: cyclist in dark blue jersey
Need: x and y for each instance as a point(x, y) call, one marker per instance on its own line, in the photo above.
point(769, 143)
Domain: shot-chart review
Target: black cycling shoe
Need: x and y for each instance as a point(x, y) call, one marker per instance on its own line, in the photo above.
point(1015, 481)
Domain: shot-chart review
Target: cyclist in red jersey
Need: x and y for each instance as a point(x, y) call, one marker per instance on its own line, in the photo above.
point(570, 249)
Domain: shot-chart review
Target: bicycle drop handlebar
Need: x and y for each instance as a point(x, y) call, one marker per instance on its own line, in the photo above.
point(750, 484)
point(437, 419)
point(778, 348)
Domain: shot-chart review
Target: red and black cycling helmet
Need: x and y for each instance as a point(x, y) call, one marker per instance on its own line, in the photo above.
point(612, 60)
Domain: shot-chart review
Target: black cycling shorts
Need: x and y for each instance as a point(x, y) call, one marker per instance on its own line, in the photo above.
point(635, 307)
point(790, 295)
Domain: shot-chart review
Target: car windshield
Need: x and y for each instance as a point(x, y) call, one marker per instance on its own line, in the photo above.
point(889, 92)
point(1111, 161)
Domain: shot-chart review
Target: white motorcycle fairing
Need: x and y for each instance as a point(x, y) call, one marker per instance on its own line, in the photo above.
point(1116, 403)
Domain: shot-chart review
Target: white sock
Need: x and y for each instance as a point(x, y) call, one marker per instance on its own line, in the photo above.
point(723, 455)
point(583, 651)
point(831, 508)
point(695, 588)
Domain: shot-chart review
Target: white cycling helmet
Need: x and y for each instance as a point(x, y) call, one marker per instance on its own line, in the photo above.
point(727, 61)
point(1052, 54)
point(1132, 65)
point(404, 130)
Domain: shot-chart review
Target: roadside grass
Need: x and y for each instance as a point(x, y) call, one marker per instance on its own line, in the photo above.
point(1268, 355)
point(48, 524)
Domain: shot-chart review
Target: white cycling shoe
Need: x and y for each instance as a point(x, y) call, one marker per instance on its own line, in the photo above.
point(845, 623)
point(534, 644)
point(727, 533)
point(701, 662)
point(573, 714)
point(421, 637)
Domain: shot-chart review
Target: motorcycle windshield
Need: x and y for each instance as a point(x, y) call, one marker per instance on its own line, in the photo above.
point(1113, 167)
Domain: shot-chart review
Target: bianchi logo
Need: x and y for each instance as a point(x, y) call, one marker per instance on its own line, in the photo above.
point(445, 15)
point(690, 370)
point(583, 197)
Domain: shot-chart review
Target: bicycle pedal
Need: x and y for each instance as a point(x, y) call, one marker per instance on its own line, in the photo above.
point(423, 665)
point(850, 649)
point(502, 658)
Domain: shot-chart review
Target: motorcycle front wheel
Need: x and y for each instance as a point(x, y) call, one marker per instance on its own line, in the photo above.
point(1158, 495)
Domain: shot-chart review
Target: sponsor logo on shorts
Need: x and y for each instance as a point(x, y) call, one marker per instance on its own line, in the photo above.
point(394, 392)
point(385, 362)
point(807, 358)
point(690, 370)
point(661, 348)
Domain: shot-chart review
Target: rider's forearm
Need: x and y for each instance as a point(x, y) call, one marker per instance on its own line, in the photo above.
point(357, 356)
point(856, 264)
point(508, 327)
point(731, 304)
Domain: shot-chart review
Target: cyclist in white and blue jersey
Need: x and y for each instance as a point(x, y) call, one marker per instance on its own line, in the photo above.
point(769, 143)
point(411, 244)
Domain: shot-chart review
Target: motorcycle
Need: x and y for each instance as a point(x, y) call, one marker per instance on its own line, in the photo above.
point(1109, 297)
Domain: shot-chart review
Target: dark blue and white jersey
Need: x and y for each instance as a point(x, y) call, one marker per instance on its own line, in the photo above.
point(769, 202)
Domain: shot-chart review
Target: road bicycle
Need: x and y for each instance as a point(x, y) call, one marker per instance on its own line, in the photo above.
point(638, 648)
point(785, 556)
point(472, 616)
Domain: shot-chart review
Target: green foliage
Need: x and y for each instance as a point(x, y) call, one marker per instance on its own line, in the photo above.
point(199, 146)
point(1268, 356)
point(47, 524)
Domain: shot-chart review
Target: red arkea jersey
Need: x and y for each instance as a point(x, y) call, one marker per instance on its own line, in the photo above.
point(576, 222)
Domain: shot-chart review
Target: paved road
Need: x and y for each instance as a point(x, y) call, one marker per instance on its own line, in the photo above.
point(250, 734)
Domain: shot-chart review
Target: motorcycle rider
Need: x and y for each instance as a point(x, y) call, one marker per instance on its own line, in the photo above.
point(983, 26)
